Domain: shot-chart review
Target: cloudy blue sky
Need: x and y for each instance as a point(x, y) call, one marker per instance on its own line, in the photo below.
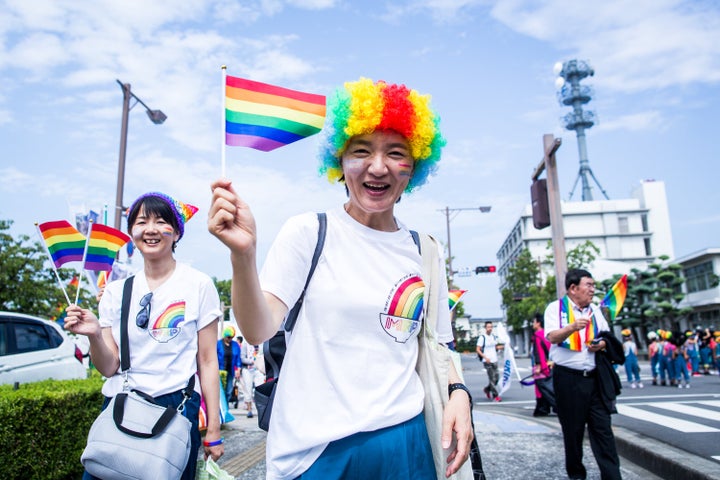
point(488, 65)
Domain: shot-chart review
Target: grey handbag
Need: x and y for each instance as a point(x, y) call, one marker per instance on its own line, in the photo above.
point(134, 437)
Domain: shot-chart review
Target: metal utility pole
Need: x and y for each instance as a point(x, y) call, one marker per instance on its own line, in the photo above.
point(447, 211)
point(156, 116)
point(550, 146)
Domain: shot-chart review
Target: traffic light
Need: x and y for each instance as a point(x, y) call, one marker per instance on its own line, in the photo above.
point(486, 269)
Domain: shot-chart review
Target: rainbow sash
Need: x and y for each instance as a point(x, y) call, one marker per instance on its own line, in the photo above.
point(567, 316)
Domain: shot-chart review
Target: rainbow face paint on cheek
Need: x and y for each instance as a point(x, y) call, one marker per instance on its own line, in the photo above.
point(405, 169)
point(167, 230)
point(353, 165)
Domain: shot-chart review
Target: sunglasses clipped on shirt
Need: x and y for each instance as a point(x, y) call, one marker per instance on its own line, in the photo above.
point(144, 314)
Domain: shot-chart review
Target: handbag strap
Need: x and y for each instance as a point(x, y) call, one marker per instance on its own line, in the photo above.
point(124, 311)
point(125, 342)
point(429, 254)
point(119, 414)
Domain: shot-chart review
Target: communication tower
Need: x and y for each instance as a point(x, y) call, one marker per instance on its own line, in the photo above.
point(574, 95)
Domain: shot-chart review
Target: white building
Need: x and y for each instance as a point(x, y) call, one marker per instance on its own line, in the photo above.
point(702, 292)
point(631, 231)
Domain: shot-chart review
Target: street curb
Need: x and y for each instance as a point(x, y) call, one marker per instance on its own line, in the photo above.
point(662, 459)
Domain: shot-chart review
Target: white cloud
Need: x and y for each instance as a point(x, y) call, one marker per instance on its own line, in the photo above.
point(653, 43)
point(651, 120)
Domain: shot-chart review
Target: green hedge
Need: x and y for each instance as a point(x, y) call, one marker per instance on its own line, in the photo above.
point(44, 427)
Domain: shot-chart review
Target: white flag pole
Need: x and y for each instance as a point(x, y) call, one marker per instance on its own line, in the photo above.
point(57, 276)
point(82, 264)
point(222, 123)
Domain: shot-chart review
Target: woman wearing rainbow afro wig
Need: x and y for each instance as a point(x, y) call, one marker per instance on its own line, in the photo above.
point(349, 404)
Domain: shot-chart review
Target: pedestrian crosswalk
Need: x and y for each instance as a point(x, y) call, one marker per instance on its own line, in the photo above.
point(687, 416)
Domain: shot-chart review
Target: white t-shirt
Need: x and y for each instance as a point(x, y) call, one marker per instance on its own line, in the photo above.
point(489, 345)
point(582, 360)
point(163, 355)
point(350, 361)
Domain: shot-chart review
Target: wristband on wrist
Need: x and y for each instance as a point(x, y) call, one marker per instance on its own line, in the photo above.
point(459, 386)
point(215, 443)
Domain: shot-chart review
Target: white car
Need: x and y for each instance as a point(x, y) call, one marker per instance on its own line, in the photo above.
point(33, 349)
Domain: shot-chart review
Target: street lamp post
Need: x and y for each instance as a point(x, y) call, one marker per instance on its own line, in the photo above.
point(447, 211)
point(156, 116)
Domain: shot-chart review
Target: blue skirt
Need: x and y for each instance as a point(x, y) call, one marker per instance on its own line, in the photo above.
point(400, 451)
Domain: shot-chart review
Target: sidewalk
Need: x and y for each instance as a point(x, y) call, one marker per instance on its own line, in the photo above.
point(512, 448)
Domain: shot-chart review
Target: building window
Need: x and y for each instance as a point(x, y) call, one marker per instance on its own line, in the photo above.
point(699, 277)
point(623, 225)
point(643, 219)
point(648, 250)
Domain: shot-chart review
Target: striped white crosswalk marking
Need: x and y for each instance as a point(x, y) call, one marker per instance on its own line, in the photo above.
point(688, 410)
point(665, 421)
point(710, 403)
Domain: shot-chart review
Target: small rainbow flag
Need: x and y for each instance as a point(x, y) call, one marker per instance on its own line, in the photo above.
point(102, 279)
point(103, 246)
point(615, 298)
point(454, 297)
point(63, 241)
point(266, 117)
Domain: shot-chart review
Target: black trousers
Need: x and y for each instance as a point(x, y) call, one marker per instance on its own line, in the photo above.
point(578, 405)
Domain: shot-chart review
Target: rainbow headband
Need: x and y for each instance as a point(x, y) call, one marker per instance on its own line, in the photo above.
point(362, 107)
point(182, 211)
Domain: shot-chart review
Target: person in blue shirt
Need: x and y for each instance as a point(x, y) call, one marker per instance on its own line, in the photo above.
point(228, 352)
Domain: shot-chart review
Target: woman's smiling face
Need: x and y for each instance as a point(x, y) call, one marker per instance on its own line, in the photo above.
point(152, 234)
point(377, 168)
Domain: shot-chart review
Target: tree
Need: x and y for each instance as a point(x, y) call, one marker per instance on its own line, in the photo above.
point(526, 294)
point(224, 288)
point(660, 294)
point(27, 282)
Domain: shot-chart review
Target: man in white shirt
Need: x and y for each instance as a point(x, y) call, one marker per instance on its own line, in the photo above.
point(487, 348)
point(574, 326)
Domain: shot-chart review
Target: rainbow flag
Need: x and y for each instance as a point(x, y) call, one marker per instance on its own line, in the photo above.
point(615, 298)
point(63, 241)
point(266, 117)
point(566, 317)
point(102, 279)
point(454, 297)
point(103, 246)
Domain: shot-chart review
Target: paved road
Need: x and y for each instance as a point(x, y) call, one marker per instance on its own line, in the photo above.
point(515, 445)
point(512, 448)
point(688, 419)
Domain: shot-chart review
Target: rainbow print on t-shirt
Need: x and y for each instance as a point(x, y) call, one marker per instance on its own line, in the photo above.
point(408, 299)
point(167, 325)
point(404, 309)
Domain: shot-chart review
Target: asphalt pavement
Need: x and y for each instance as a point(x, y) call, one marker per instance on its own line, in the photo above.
point(514, 445)
point(512, 448)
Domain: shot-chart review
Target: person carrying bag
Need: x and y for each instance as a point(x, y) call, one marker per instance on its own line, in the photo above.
point(172, 339)
point(135, 437)
point(349, 405)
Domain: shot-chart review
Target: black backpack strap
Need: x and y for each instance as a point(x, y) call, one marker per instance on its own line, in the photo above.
point(124, 311)
point(322, 230)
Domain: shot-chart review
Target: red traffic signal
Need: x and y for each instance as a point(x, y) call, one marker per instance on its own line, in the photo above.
point(486, 269)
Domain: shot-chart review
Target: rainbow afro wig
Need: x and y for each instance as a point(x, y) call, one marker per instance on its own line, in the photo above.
point(228, 332)
point(362, 107)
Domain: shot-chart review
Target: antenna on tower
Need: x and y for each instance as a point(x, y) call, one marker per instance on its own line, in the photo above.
point(574, 95)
